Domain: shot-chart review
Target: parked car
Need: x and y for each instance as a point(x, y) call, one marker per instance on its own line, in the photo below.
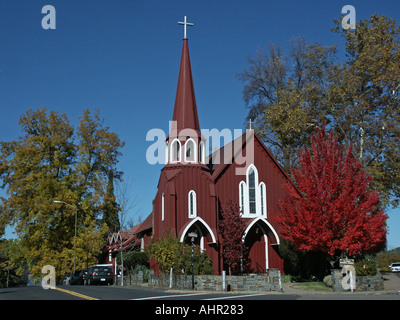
point(100, 275)
point(74, 278)
point(395, 267)
point(82, 276)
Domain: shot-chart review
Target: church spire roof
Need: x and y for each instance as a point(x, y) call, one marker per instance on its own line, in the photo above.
point(185, 109)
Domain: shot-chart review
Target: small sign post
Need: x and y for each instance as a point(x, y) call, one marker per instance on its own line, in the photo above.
point(345, 262)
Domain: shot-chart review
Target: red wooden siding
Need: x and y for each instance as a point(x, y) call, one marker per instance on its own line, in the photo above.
point(269, 172)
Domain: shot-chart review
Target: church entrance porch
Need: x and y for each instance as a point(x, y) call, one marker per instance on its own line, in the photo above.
point(257, 242)
point(205, 238)
point(261, 239)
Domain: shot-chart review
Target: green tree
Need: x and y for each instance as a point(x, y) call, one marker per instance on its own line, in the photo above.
point(364, 100)
point(286, 95)
point(357, 97)
point(168, 252)
point(48, 162)
point(111, 207)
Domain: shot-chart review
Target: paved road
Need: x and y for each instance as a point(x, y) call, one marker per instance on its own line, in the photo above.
point(166, 304)
point(143, 294)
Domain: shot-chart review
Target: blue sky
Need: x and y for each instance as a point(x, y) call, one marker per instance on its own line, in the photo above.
point(122, 57)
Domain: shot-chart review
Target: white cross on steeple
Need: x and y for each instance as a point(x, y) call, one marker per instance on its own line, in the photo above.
point(184, 28)
point(250, 123)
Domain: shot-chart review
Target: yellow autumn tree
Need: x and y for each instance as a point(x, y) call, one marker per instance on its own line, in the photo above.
point(51, 161)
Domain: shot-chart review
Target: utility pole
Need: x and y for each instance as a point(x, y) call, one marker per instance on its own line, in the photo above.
point(122, 259)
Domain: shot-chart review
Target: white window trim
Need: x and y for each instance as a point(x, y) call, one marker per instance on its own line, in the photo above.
point(162, 207)
point(257, 194)
point(142, 244)
point(274, 235)
point(246, 206)
point(172, 151)
point(263, 198)
point(202, 152)
point(192, 222)
point(194, 215)
point(166, 152)
point(242, 197)
point(194, 150)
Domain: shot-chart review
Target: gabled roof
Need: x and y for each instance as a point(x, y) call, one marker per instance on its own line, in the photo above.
point(230, 152)
point(146, 224)
point(129, 237)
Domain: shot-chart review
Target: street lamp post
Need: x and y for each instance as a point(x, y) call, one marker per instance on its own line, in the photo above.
point(193, 235)
point(76, 213)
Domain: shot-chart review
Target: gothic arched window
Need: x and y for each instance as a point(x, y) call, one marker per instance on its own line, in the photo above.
point(252, 191)
point(190, 151)
point(252, 195)
point(175, 151)
point(263, 199)
point(192, 207)
point(202, 153)
point(242, 197)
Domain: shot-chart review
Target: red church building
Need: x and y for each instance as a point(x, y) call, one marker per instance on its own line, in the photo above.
point(193, 187)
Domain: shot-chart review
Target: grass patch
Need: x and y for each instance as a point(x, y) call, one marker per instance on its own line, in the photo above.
point(311, 286)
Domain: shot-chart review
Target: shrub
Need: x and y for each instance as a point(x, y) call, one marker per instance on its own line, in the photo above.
point(366, 266)
point(328, 280)
point(145, 270)
point(169, 253)
point(134, 258)
point(287, 278)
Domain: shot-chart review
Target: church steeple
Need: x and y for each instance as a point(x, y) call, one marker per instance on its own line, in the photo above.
point(185, 109)
point(185, 143)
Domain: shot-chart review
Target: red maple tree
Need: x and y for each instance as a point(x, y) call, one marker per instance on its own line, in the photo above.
point(333, 210)
point(234, 250)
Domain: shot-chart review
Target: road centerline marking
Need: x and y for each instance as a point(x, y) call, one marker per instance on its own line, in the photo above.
point(76, 294)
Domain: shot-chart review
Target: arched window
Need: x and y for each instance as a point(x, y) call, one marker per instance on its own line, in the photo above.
point(190, 151)
point(252, 191)
point(263, 196)
point(162, 207)
point(175, 151)
point(242, 187)
point(192, 207)
point(202, 153)
point(252, 195)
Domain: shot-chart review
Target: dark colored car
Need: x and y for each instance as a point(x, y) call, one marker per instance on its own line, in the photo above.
point(83, 276)
point(74, 278)
point(100, 275)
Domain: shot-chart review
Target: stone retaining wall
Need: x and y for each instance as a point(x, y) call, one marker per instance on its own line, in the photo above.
point(363, 283)
point(271, 281)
